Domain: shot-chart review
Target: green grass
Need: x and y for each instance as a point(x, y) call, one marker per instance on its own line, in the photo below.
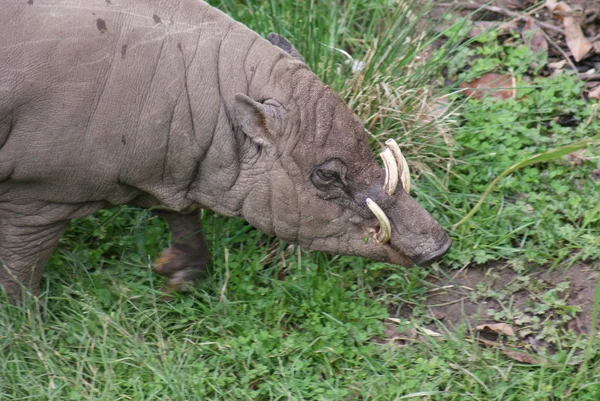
point(276, 323)
point(246, 335)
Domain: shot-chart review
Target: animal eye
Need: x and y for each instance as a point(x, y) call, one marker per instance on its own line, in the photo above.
point(326, 175)
point(329, 175)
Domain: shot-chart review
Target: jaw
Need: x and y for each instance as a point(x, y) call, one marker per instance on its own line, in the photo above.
point(368, 247)
point(416, 237)
point(338, 238)
point(359, 247)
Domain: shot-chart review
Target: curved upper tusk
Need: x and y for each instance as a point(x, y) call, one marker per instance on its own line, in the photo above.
point(404, 171)
point(385, 228)
point(391, 171)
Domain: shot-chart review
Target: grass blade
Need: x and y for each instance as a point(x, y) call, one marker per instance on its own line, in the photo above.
point(550, 155)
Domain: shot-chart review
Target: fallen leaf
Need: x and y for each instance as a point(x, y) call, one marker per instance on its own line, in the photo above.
point(393, 336)
point(430, 333)
point(494, 85)
point(595, 93)
point(589, 73)
point(513, 354)
point(499, 328)
point(557, 65)
point(579, 45)
point(534, 37)
point(481, 27)
point(521, 356)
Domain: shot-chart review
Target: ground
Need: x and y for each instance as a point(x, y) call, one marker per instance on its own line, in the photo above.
point(485, 294)
point(476, 293)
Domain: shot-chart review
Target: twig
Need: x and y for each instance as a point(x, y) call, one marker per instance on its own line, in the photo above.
point(512, 14)
point(593, 77)
point(561, 51)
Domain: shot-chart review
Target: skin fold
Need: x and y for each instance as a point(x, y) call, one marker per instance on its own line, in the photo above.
point(172, 105)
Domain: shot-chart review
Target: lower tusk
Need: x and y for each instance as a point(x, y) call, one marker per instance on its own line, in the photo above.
point(391, 171)
point(385, 229)
point(403, 169)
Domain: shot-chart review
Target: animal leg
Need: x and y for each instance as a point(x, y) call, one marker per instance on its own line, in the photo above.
point(186, 259)
point(28, 235)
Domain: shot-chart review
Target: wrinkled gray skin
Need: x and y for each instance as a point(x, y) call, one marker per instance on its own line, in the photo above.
point(172, 104)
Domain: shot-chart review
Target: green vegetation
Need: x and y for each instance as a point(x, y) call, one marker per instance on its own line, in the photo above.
point(272, 322)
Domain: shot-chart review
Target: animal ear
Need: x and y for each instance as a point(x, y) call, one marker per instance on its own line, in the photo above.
point(285, 44)
point(254, 119)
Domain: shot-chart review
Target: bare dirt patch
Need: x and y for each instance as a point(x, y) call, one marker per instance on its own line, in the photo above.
point(482, 295)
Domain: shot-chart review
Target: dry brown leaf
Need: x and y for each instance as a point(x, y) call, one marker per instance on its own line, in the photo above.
point(534, 37)
point(513, 354)
point(481, 27)
point(499, 328)
point(435, 110)
point(494, 85)
point(557, 65)
point(579, 45)
point(595, 93)
point(521, 356)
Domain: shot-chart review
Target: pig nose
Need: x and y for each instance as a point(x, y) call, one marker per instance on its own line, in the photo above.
point(429, 258)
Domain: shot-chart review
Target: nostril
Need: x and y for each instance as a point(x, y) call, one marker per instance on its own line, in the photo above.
point(431, 257)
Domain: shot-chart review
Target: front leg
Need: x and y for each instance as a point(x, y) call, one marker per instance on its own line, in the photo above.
point(185, 260)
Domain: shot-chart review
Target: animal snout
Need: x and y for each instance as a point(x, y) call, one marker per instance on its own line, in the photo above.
point(428, 258)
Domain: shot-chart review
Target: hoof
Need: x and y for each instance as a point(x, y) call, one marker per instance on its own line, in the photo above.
point(168, 262)
point(180, 269)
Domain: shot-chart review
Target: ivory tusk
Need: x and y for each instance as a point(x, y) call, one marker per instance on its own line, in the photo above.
point(391, 171)
point(385, 229)
point(403, 169)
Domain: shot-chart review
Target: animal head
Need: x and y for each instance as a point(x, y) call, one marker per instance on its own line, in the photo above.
point(320, 186)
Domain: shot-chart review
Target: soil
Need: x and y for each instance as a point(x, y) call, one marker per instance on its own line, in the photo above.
point(467, 296)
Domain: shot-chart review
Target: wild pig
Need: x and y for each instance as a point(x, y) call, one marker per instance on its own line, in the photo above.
point(173, 105)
